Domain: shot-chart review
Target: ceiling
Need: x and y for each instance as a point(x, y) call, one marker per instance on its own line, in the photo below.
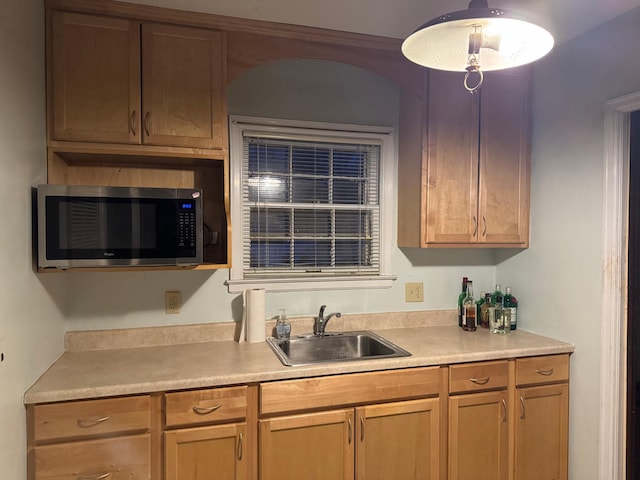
point(398, 18)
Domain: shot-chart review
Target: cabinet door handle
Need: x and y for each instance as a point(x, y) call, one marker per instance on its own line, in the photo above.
point(546, 373)
point(147, 123)
point(240, 446)
point(522, 411)
point(475, 226)
point(91, 422)
point(94, 477)
point(484, 223)
point(480, 381)
point(504, 411)
point(132, 122)
point(205, 410)
point(350, 430)
point(362, 429)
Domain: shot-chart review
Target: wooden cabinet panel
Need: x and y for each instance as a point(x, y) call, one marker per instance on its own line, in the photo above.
point(122, 458)
point(212, 405)
point(86, 418)
point(473, 157)
point(183, 86)
point(398, 441)
point(505, 157)
point(452, 161)
point(206, 453)
point(478, 436)
point(352, 389)
point(542, 369)
point(94, 78)
point(480, 376)
point(317, 446)
point(542, 433)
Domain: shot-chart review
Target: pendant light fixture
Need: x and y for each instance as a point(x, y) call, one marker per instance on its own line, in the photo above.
point(476, 40)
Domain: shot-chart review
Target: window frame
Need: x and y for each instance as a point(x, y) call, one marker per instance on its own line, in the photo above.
point(238, 125)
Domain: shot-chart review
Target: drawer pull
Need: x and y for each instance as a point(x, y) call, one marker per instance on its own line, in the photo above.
point(240, 446)
point(546, 373)
point(94, 477)
point(480, 381)
point(92, 422)
point(205, 410)
point(522, 410)
point(504, 406)
point(350, 430)
point(362, 429)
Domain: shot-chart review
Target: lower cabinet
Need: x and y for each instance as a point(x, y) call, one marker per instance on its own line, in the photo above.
point(542, 418)
point(396, 440)
point(206, 453)
point(479, 436)
point(314, 445)
point(493, 420)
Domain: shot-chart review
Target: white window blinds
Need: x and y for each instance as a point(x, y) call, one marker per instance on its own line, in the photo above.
point(310, 207)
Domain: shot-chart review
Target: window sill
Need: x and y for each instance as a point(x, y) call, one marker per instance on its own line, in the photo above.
point(300, 284)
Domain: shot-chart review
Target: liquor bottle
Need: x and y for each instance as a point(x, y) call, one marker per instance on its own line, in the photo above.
point(485, 308)
point(479, 304)
point(511, 306)
point(461, 298)
point(498, 322)
point(469, 310)
point(497, 296)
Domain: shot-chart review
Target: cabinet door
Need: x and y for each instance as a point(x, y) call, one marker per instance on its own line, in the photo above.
point(505, 158)
point(316, 446)
point(94, 78)
point(398, 441)
point(183, 84)
point(452, 161)
point(542, 433)
point(205, 453)
point(478, 436)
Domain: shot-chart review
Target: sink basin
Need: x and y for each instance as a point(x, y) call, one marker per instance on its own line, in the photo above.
point(334, 347)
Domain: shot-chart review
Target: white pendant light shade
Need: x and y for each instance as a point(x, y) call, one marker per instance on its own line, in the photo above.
point(485, 38)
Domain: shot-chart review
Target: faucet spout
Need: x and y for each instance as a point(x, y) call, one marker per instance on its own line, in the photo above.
point(321, 321)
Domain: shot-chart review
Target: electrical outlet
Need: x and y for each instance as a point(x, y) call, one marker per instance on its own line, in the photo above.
point(414, 292)
point(172, 302)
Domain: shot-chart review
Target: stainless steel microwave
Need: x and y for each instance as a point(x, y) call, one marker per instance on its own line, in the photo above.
point(94, 226)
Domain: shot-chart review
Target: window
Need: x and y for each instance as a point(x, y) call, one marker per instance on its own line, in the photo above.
point(309, 204)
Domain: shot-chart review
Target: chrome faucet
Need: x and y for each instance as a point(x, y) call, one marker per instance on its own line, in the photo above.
point(321, 322)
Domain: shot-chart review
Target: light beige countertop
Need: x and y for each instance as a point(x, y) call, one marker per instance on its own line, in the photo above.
point(125, 371)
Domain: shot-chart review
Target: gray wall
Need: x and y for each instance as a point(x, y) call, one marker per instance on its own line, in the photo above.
point(31, 322)
point(561, 272)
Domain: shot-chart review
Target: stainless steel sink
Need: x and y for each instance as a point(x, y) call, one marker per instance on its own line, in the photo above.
point(334, 347)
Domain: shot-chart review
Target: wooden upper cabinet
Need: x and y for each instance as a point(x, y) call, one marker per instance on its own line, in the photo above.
point(505, 158)
point(452, 161)
point(122, 81)
point(94, 78)
point(473, 156)
point(182, 86)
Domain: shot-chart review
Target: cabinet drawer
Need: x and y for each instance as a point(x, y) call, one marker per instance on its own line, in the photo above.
point(88, 418)
point(205, 406)
point(351, 389)
point(121, 458)
point(475, 377)
point(543, 369)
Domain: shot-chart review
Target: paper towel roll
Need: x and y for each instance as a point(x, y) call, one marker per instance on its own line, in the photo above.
point(253, 316)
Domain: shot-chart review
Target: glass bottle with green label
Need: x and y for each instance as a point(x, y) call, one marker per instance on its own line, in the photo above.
point(511, 307)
